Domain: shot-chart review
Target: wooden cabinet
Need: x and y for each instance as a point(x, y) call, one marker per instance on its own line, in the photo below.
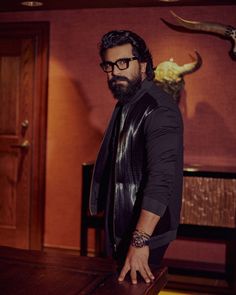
point(209, 214)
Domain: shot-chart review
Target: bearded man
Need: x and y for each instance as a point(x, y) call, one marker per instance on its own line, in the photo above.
point(137, 179)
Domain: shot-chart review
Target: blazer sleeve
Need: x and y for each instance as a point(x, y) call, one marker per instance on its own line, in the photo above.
point(164, 147)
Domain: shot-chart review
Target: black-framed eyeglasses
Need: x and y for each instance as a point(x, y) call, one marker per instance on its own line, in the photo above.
point(122, 64)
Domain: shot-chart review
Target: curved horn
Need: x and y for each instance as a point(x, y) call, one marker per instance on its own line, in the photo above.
point(224, 30)
point(192, 67)
point(201, 26)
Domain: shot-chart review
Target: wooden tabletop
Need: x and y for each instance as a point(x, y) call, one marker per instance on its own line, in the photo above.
point(34, 272)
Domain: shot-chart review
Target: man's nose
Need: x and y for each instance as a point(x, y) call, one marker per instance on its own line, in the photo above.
point(115, 71)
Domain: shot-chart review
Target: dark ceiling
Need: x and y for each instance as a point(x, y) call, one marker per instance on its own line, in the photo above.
point(14, 5)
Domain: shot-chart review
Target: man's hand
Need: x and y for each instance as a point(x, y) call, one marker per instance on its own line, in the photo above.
point(137, 260)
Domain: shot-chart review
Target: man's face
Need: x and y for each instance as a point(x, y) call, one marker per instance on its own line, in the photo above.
point(124, 83)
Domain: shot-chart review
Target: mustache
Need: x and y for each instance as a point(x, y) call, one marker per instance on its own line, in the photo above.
point(118, 78)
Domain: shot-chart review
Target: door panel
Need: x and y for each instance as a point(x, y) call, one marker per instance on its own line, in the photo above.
point(9, 69)
point(8, 164)
point(22, 127)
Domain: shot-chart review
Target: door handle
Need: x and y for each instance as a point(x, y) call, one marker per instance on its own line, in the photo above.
point(25, 124)
point(23, 146)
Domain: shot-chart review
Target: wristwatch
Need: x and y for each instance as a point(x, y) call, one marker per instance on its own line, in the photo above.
point(140, 240)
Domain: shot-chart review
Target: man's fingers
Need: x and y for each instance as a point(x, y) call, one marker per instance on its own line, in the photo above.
point(133, 275)
point(144, 275)
point(148, 272)
point(123, 273)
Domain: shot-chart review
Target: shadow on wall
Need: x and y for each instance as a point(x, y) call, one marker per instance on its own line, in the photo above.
point(91, 134)
point(207, 137)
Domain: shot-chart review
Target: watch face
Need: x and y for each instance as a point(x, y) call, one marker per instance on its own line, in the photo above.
point(139, 241)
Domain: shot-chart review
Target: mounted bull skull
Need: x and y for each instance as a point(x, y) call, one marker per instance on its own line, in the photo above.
point(223, 30)
point(169, 75)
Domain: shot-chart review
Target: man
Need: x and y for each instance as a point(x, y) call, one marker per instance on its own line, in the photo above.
point(137, 178)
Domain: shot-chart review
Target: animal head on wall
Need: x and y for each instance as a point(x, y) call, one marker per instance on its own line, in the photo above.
point(170, 76)
point(225, 31)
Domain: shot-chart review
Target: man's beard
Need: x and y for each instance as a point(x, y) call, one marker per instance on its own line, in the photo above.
point(124, 93)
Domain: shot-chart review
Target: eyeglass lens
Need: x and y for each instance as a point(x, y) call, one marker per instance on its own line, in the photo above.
point(122, 64)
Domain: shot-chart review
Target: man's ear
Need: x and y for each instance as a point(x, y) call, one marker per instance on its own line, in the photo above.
point(143, 67)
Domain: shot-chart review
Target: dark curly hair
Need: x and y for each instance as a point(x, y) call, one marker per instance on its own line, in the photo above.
point(140, 50)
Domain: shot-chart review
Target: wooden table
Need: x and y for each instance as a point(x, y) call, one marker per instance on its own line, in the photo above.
point(33, 272)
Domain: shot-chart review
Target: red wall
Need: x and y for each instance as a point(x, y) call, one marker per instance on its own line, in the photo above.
point(79, 104)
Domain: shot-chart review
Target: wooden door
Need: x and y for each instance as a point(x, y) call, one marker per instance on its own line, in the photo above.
point(23, 83)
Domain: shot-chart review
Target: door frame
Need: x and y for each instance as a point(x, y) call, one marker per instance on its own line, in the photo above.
point(39, 32)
